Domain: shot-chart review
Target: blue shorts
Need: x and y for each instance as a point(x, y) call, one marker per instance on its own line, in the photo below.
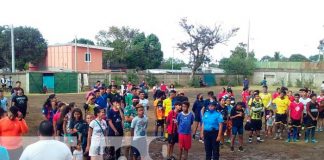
point(237, 130)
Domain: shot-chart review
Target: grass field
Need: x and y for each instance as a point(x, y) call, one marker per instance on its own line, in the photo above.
point(270, 149)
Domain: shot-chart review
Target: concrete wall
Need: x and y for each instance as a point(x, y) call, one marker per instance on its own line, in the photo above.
point(277, 77)
point(16, 77)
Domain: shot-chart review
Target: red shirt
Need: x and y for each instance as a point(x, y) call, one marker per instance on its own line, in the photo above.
point(296, 110)
point(172, 126)
point(11, 132)
point(245, 95)
point(291, 98)
point(319, 99)
point(163, 87)
point(221, 94)
point(56, 116)
point(275, 95)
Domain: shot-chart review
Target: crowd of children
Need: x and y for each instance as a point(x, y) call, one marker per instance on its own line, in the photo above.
point(122, 116)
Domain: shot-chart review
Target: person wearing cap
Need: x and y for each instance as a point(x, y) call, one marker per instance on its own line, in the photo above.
point(281, 110)
point(102, 99)
point(11, 130)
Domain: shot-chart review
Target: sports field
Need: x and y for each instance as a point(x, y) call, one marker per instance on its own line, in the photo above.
point(269, 149)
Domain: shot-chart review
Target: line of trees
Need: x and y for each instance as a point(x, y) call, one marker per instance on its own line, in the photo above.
point(278, 57)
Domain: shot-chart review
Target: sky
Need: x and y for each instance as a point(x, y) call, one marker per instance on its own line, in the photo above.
point(289, 26)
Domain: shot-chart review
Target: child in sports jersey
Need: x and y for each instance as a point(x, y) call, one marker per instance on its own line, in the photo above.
point(173, 136)
point(185, 120)
point(159, 115)
point(311, 119)
point(237, 118)
point(295, 115)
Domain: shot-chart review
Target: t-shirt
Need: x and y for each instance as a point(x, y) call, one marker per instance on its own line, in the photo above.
point(245, 95)
point(101, 101)
point(48, 112)
point(158, 104)
point(313, 109)
point(319, 99)
point(78, 155)
point(114, 97)
point(56, 116)
point(211, 120)
point(167, 105)
point(256, 110)
point(275, 95)
point(296, 110)
point(129, 99)
point(171, 122)
point(76, 125)
point(91, 108)
point(47, 149)
point(144, 103)
point(184, 122)
point(11, 131)
point(266, 99)
point(304, 101)
point(237, 121)
point(21, 103)
point(270, 120)
point(197, 106)
point(281, 105)
point(163, 87)
point(97, 132)
point(291, 98)
point(116, 119)
point(140, 126)
point(4, 103)
point(4, 153)
point(131, 112)
point(223, 111)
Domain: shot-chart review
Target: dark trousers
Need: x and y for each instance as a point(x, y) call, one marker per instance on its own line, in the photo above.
point(211, 145)
point(15, 153)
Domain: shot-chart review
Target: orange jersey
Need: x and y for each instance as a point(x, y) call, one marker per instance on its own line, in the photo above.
point(11, 131)
point(158, 105)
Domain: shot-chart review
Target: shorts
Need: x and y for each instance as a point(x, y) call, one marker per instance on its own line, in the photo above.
point(97, 147)
point(309, 123)
point(281, 118)
point(185, 141)
point(159, 122)
point(224, 127)
point(197, 118)
point(139, 147)
point(321, 114)
point(266, 112)
point(256, 125)
point(173, 138)
point(295, 123)
point(237, 130)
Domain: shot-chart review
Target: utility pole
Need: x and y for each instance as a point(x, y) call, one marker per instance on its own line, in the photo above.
point(13, 69)
point(248, 41)
point(75, 54)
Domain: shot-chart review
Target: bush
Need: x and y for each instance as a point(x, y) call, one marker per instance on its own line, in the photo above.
point(132, 77)
point(194, 82)
point(299, 83)
point(309, 83)
point(276, 83)
point(150, 79)
point(223, 81)
point(177, 85)
point(118, 80)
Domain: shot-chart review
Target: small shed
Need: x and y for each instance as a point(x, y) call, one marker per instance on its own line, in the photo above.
point(56, 82)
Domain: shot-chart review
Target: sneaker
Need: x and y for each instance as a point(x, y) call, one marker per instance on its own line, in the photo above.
point(288, 140)
point(306, 141)
point(280, 138)
point(173, 158)
point(232, 149)
point(193, 137)
point(276, 138)
point(241, 149)
point(260, 140)
point(314, 141)
point(201, 140)
point(250, 140)
point(228, 141)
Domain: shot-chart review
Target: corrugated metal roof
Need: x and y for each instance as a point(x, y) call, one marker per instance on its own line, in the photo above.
point(83, 45)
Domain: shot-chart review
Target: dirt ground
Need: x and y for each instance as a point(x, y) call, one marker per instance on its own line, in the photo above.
point(270, 149)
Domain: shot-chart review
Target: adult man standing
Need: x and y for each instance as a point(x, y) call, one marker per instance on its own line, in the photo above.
point(40, 150)
point(246, 83)
point(20, 101)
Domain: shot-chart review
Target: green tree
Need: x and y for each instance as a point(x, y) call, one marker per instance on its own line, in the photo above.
point(238, 63)
point(202, 39)
point(30, 46)
point(266, 59)
point(83, 41)
point(298, 58)
point(177, 63)
point(131, 48)
point(314, 58)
